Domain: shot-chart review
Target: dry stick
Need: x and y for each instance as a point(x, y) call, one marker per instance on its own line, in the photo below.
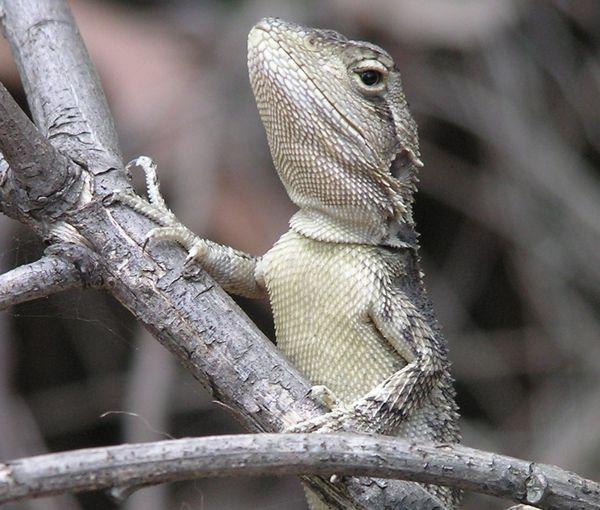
point(545, 486)
point(41, 181)
point(198, 322)
point(49, 275)
point(67, 265)
point(63, 90)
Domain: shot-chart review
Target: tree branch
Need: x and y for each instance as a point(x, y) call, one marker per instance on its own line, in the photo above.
point(545, 486)
point(63, 89)
point(65, 266)
point(42, 278)
point(40, 182)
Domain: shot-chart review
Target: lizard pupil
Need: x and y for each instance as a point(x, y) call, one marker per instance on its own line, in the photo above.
point(370, 77)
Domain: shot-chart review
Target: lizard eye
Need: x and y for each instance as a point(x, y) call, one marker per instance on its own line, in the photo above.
point(370, 77)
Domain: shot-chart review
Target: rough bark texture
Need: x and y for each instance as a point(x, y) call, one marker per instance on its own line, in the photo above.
point(38, 279)
point(545, 486)
point(63, 90)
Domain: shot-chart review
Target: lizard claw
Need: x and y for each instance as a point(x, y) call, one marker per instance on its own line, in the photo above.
point(196, 252)
point(152, 184)
point(324, 395)
point(155, 209)
point(114, 197)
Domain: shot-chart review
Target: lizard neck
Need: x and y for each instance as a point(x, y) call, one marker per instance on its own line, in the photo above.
point(379, 215)
point(354, 227)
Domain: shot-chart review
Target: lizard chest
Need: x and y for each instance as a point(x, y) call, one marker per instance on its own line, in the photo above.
point(320, 295)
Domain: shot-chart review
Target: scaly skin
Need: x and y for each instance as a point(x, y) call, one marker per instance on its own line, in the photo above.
point(344, 283)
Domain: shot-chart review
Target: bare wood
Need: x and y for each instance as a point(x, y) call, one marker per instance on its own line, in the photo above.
point(42, 278)
point(63, 89)
point(545, 486)
point(41, 181)
point(65, 266)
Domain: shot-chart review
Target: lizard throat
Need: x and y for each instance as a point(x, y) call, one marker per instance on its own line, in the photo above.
point(354, 228)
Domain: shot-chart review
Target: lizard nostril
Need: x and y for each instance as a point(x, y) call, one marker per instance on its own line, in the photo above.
point(311, 42)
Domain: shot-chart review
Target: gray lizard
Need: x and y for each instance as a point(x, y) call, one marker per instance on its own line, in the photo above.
point(344, 282)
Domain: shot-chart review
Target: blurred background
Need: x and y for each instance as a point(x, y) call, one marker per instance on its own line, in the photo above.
point(506, 95)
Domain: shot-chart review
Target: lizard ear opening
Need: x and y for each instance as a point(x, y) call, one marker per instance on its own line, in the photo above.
point(404, 125)
point(401, 164)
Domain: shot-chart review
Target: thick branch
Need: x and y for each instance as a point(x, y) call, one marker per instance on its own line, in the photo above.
point(545, 486)
point(40, 179)
point(63, 90)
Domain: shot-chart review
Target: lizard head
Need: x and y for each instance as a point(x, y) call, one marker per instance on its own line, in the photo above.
point(340, 133)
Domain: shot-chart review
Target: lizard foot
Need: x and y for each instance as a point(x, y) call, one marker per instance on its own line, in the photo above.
point(196, 247)
point(338, 420)
point(155, 209)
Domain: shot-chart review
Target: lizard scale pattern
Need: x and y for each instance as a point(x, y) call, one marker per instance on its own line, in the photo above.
point(348, 301)
point(344, 283)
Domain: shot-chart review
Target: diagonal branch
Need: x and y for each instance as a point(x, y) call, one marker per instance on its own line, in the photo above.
point(545, 486)
point(42, 181)
point(63, 89)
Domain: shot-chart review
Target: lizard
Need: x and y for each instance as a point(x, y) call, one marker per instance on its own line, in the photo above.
point(344, 283)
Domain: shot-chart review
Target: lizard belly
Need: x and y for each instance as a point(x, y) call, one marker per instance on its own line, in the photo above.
point(320, 294)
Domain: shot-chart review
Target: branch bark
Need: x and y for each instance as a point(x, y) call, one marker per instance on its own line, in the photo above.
point(41, 182)
point(65, 266)
point(39, 279)
point(63, 89)
point(545, 486)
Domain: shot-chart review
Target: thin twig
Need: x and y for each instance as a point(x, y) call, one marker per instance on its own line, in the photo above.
point(49, 275)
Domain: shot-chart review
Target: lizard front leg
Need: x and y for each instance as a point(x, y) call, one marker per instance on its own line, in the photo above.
point(401, 404)
point(387, 406)
point(234, 270)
